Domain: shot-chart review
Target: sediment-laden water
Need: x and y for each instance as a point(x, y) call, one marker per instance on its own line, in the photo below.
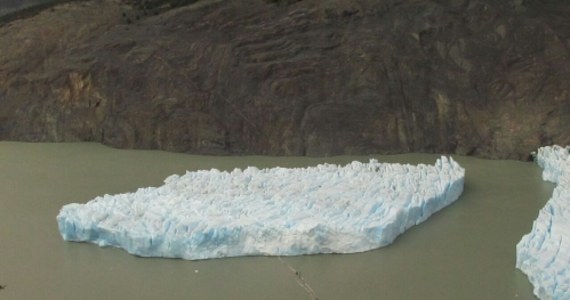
point(466, 251)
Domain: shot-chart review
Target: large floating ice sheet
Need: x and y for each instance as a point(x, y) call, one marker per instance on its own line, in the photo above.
point(544, 254)
point(277, 211)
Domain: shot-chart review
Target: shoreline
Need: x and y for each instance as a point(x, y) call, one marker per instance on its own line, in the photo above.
point(388, 153)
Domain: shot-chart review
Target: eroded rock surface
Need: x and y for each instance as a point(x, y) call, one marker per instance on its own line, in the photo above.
point(480, 77)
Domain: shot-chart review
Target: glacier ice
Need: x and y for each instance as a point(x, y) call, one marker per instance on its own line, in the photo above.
point(277, 211)
point(544, 253)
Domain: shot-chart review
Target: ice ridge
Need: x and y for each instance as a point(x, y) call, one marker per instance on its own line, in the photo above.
point(544, 253)
point(277, 211)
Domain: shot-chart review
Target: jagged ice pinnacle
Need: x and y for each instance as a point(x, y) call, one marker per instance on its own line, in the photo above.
point(277, 211)
point(544, 253)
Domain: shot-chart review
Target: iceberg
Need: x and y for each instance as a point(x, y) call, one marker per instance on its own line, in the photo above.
point(544, 253)
point(276, 211)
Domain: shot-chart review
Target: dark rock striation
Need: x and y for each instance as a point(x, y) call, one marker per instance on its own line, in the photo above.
point(479, 77)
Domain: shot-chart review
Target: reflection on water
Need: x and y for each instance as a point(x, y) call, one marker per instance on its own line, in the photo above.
point(467, 251)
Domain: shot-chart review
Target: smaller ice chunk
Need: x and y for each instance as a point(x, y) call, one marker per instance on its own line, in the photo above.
point(278, 211)
point(544, 253)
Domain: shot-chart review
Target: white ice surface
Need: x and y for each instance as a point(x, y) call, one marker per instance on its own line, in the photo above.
point(544, 254)
point(277, 211)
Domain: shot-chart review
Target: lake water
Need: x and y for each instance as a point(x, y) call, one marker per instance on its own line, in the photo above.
point(466, 251)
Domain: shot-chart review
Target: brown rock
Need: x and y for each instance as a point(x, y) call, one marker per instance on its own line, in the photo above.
point(480, 77)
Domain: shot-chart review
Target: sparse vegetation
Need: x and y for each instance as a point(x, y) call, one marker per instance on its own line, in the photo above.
point(282, 2)
point(145, 8)
point(153, 4)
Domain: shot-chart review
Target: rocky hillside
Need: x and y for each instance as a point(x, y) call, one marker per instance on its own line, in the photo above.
point(480, 77)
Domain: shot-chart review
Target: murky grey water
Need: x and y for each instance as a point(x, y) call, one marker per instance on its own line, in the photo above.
point(466, 251)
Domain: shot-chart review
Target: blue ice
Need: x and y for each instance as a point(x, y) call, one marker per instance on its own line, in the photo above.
point(277, 211)
point(544, 253)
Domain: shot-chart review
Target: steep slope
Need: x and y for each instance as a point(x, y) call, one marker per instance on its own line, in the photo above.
point(480, 77)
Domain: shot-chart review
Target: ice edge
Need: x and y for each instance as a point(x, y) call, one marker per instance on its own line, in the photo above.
point(544, 253)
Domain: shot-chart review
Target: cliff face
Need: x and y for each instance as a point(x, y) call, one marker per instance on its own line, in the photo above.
point(478, 77)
